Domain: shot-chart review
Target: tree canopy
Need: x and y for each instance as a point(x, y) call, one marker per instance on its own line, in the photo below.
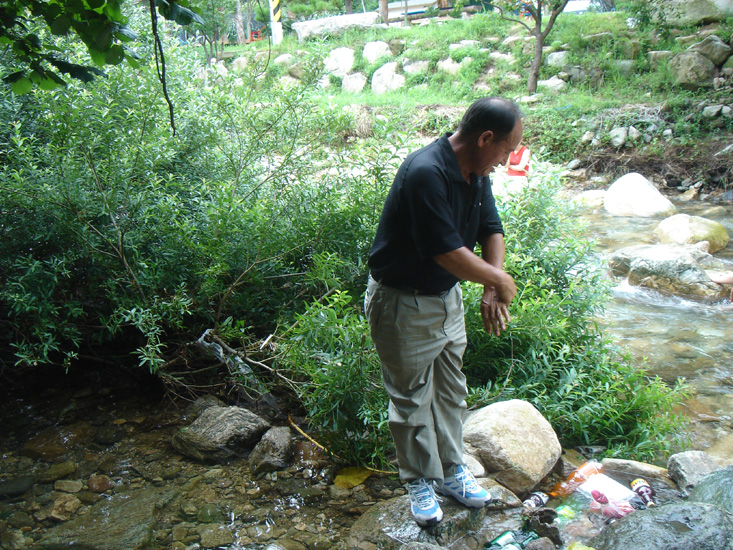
point(29, 28)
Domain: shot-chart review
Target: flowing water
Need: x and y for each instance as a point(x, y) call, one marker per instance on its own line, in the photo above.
point(675, 337)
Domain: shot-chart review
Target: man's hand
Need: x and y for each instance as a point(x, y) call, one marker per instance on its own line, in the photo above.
point(494, 312)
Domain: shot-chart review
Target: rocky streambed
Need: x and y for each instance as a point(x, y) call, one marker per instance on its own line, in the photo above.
point(97, 468)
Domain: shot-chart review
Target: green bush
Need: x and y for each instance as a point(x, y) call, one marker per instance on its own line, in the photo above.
point(553, 354)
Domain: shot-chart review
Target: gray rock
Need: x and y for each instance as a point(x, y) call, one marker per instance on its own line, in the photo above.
point(625, 67)
point(335, 25)
point(120, 523)
point(688, 468)
point(218, 432)
point(693, 13)
point(389, 524)
point(685, 229)
point(634, 195)
point(339, 62)
point(598, 38)
point(713, 48)
point(656, 58)
point(421, 546)
point(353, 83)
point(618, 137)
point(540, 544)
point(194, 410)
point(557, 59)
point(386, 78)
point(273, 451)
point(692, 70)
point(215, 536)
point(679, 526)
point(374, 50)
point(15, 486)
point(716, 488)
point(513, 440)
point(57, 471)
point(672, 269)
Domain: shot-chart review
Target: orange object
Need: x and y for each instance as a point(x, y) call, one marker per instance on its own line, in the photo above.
point(575, 479)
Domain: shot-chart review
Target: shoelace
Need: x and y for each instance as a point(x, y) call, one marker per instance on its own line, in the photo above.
point(423, 495)
point(467, 481)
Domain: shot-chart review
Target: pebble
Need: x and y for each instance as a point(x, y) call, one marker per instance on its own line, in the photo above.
point(68, 485)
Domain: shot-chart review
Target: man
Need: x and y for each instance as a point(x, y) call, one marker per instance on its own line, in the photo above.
point(439, 207)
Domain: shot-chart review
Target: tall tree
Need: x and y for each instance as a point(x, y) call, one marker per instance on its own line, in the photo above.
point(537, 9)
point(384, 11)
point(348, 4)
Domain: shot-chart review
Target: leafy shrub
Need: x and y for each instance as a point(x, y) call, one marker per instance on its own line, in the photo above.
point(553, 354)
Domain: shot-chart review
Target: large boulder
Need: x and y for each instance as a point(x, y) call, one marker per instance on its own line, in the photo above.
point(335, 25)
point(716, 488)
point(117, 523)
point(339, 62)
point(692, 13)
point(374, 50)
point(685, 229)
point(634, 195)
point(386, 78)
point(389, 524)
point(672, 269)
point(219, 432)
point(689, 467)
point(557, 59)
point(353, 83)
point(714, 49)
point(514, 442)
point(692, 70)
point(273, 451)
point(676, 526)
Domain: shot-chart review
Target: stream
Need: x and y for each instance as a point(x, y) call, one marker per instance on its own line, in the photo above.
point(672, 336)
point(80, 445)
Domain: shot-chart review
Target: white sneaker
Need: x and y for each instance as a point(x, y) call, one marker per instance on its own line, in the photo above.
point(463, 487)
point(423, 502)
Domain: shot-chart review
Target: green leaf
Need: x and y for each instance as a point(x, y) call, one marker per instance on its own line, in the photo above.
point(98, 57)
point(125, 34)
point(50, 84)
point(115, 55)
point(21, 86)
point(61, 25)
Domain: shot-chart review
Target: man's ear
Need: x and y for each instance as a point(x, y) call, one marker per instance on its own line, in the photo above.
point(485, 138)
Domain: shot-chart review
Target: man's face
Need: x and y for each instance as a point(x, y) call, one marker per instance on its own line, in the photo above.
point(494, 152)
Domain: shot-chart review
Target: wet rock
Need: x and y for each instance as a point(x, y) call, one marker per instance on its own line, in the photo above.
point(15, 486)
point(273, 451)
point(100, 483)
point(12, 540)
point(679, 526)
point(685, 229)
point(540, 544)
point(194, 410)
point(21, 519)
point(120, 523)
point(218, 433)
point(674, 269)
point(215, 536)
point(286, 544)
point(64, 507)
point(421, 546)
point(512, 439)
point(633, 468)
point(688, 468)
point(57, 471)
point(716, 488)
point(542, 522)
point(209, 513)
point(634, 195)
point(68, 485)
point(88, 498)
point(109, 434)
point(389, 524)
point(55, 442)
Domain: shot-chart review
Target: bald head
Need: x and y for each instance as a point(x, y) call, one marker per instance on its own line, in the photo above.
point(494, 114)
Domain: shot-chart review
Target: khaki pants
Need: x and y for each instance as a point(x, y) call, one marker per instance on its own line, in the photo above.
point(420, 341)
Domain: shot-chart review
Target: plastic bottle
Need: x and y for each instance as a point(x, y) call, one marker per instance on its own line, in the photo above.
point(579, 546)
point(536, 500)
point(612, 509)
point(642, 488)
point(564, 514)
point(578, 477)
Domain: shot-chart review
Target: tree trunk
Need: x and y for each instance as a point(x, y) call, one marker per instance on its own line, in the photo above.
point(405, 7)
point(534, 69)
point(384, 11)
point(349, 6)
point(239, 24)
point(248, 21)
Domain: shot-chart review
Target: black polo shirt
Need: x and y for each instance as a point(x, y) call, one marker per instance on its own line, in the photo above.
point(430, 210)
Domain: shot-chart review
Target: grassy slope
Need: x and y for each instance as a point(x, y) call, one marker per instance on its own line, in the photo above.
point(555, 124)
